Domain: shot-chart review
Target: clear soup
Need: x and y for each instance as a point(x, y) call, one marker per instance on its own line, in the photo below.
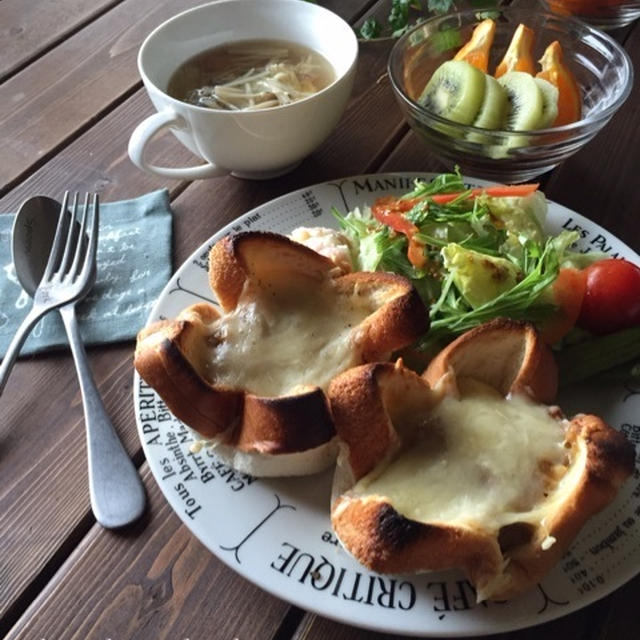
point(251, 74)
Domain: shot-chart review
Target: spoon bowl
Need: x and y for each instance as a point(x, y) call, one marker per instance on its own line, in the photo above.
point(34, 228)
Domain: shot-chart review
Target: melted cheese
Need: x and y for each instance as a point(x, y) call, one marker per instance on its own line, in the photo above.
point(480, 460)
point(275, 342)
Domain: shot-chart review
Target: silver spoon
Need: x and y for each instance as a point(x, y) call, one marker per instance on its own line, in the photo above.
point(117, 494)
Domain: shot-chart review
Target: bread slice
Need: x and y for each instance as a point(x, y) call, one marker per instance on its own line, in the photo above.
point(470, 471)
point(508, 356)
point(252, 377)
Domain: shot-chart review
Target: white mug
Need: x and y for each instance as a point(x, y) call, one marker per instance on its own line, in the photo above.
point(252, 144)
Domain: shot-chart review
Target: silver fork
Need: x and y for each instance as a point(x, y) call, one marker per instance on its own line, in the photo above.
point(116, 491)
point(61, 282)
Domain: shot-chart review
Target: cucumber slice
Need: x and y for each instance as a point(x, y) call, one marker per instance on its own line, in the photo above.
point(455, 91)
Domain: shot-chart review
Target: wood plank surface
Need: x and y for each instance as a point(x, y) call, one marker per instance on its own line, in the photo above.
point(43, 443)
point(56, 458)
point(153, 581)
point(315, 627)
point(70, 87)
point(27, 28)
point(98, 161)
point(619, 620)
point(613, 618)
point(62, 576)
point(231, 197)
point(44, 501)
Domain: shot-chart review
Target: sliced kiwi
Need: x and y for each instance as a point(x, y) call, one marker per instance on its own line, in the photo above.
point(494, 107)
point(525, 101)
point(455, 91)
point(550, 103)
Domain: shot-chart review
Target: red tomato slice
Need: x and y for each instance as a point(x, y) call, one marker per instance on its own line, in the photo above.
point(612, 297)
point(389, 211)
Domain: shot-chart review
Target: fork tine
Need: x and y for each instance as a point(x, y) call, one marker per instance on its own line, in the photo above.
point(81, 246)
point(57, 240)
point(92, 249)
point(70, 234)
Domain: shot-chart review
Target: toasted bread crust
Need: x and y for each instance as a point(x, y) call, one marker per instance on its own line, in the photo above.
point(247, 257)
point(162, 360)
point(506, 354)
point(385, 541)
point(363, 401)
point(172, 356)
point(611, 457)
point(165, 359)
point(608, 462)
point(366, 402)
point(285, 424)
point(395, 323)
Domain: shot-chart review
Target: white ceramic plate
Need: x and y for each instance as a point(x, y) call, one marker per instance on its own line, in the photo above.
point(277, 534)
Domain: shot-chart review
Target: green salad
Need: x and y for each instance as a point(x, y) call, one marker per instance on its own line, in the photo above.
point(478, 254)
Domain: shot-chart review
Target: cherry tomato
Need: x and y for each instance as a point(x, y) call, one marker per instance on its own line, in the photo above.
point(612, 298)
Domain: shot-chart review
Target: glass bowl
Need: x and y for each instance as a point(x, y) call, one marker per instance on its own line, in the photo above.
point(611, 14)
point(601, 67)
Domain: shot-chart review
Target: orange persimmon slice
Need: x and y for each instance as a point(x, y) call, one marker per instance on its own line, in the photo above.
point(582, 7)
point(558, 6)
point(557, 73)
point(567, 292)
point(476, 51)
point(518, 56)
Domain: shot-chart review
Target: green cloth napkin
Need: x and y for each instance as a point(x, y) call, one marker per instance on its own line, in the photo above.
point(134, 264)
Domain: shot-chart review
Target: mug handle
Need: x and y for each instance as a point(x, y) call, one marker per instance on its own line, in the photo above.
point(148, 128)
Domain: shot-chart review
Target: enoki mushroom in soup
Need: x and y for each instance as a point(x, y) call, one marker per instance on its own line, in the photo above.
point(251, 74)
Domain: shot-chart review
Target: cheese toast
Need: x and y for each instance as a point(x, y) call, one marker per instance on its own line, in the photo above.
point(251, 376)
point(465, 466)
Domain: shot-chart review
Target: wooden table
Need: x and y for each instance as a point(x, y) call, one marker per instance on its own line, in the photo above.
point(70, 98)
